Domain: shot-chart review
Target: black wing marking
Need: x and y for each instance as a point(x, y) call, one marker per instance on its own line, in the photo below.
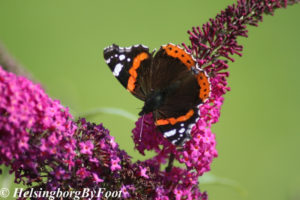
point(121, 59)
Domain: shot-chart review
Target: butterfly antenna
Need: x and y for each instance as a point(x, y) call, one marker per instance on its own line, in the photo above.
point(141, 132)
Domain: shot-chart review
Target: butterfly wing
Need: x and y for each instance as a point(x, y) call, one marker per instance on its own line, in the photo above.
point(176, 117)
point(128, 65)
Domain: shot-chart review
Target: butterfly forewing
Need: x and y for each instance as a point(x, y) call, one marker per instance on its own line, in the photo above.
point(126, 63)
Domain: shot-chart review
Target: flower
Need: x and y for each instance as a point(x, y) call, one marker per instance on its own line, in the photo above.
point(83, 173)
point(125, 189)
point(86, 147)
point(115, 164)
point(143, 172)
point(96, 178)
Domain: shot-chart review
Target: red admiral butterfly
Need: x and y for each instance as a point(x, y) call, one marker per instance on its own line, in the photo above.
point(169, 82)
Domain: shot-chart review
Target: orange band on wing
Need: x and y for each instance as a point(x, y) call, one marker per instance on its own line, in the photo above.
point(173, 120)
point(204, 84)
point(179, 53)
point(132, 71)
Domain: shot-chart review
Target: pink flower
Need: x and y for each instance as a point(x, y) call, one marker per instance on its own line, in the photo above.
point(86, 147)
point(82, 173)
point(178, 194)
point(115, 164)
point(96, 178)
point(143, 172)
point(112, 142)
point(125, 193)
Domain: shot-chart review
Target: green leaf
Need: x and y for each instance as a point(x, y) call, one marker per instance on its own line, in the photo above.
point(108, 110)
point(210, 179)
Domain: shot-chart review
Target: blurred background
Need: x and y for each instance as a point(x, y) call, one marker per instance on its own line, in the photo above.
point(61, 44)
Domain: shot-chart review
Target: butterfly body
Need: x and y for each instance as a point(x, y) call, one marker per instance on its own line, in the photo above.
point(169, 82)
point(157, 98)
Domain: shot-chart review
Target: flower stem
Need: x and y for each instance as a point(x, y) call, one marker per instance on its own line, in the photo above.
point(170, 164)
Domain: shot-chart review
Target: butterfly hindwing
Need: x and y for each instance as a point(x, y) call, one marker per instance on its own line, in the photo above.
point(178, 130)
point(125, 63)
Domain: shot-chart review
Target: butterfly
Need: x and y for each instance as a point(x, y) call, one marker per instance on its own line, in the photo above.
point(169, 81)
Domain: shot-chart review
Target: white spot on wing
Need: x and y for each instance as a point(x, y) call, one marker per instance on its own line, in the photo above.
point(108, 61)
point(170, 133)
point(117, 69)
point(174, 141)
point(128, 59)
point(121, 57)
point(181, 130)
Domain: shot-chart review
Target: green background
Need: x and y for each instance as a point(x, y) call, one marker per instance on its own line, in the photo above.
point(61, 44)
